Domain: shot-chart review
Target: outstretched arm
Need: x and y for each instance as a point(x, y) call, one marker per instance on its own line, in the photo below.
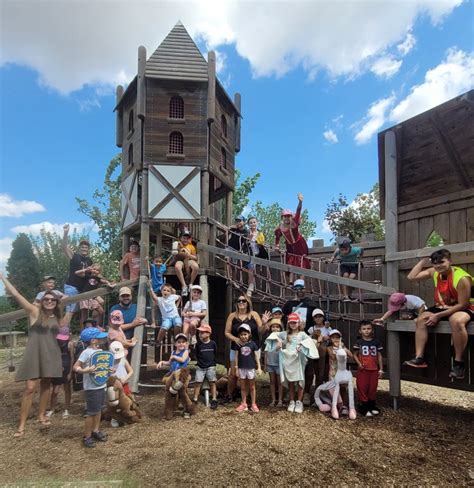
point(28, 307)
point(297, 216)
point(65, 245)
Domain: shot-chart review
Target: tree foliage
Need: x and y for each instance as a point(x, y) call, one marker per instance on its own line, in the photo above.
point(352, 220)
point(23, 268)
point(242, 192)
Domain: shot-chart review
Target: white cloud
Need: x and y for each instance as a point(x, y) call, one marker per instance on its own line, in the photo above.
point(325, 229)
point(374, 120)
point(89, 42)
point(221, 59)
point(16, 208)
point(386, 66)
point(330, 136)
point(407, 45)
point(35, 229)
point(5, 250)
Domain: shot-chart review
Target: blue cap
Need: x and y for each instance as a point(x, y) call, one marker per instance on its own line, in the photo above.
point(277, 309)
point(240, 217)
point(92, 333)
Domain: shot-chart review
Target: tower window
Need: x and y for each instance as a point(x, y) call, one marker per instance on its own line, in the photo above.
point(130, 154)
point(223, 126)
point(130, 121)
point(176, 143)
point(176, 108)
point(223, 158)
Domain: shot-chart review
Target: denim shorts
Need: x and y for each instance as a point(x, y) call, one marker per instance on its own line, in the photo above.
point(273, 369)
point(209, 373)
point(71, 291)
point(94, 401)
point(166, 324)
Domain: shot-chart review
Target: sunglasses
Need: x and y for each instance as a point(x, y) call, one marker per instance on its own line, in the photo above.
point(125, 296)
point(49, 300)
point(241, 300)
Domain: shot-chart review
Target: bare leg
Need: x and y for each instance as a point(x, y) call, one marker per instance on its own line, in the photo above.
point(197, 390)
point(300, 393)
point(194, 266)
point(231, 382)
point(213, 390)
point(253, 392)
point(179, 273)
point(96, 422)
point(54, 397)
point(273, 386)
point(161, 335)
point(345, 288)
point(421, 335)
point(26, 402)
point(186, 328)
point(45, 390)
point(89, 425)
point(67, 395)
point(84, 314)
point(243, 390)
point(291, 387)
point(458, 322)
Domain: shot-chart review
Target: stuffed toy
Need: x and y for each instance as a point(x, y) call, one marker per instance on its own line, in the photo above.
point(327, 395)
point(121, 407)
point(177, 391)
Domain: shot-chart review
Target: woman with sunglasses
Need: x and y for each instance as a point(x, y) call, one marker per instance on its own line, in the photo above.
point(244, 314)
point(42, 358)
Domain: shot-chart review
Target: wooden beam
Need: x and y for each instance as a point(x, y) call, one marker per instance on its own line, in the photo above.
point(211, 86)
point(433, 202)
point(427, 251)
point(363, 285)
point(442, 327)
point(453, 156)
point(436, 210)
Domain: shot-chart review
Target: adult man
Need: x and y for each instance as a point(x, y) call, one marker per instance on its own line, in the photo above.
point(301, 304)
point(78, 261)
point(453, 301)
point(186, 261)
point(129, 312)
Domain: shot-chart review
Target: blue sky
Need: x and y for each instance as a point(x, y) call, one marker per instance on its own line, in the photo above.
point(318, 81)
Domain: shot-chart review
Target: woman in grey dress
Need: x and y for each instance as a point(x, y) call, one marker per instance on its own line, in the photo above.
point(42, 358)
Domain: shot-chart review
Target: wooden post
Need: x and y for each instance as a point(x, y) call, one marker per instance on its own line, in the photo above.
point(119, 118)
point(211, 86)
point(391, 246)
point(159, 240)
point(141, 96)
point(237, 103)
point(204, 227)
point(203, 283)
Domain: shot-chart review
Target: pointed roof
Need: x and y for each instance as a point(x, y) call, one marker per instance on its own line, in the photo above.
point(177, 58)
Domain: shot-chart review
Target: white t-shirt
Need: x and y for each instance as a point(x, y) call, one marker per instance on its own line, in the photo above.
point(120, 371)
point(413, 303)
point(168, 307)
point(324, 331)
point(84, 358)
point(195, 306)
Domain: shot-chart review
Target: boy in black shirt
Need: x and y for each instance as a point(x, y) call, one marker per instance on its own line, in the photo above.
point(206, 350)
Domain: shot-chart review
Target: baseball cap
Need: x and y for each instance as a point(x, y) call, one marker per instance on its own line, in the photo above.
point(85, 242)
point(125, 290)
point(180, 336)
point(49, 277)
point(396, 301)
point(245, 327)
point(63, 333)
point(196, 287)
point(298, 284)
point(240, 218)
point(317, 311)
point(116, 317)
point(293, 317)
point(335, 331)
point(185, 233)
point(205, 328)
point(286, 211)
point(277, 309)
point(116, 348)
point(343, 241)
point(92, 333)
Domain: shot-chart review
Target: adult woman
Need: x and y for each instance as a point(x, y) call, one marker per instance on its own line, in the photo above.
point(296, 247)
point(244, 314)
point(42, 358)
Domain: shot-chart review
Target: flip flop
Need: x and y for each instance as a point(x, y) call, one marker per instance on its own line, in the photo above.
point(44, 423)
point(19, 433)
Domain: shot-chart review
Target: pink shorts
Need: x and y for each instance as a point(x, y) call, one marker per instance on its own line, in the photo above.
point(246, 374)
point(91, 304)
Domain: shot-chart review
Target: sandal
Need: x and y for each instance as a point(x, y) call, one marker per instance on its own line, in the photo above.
point(44, 423)
point(19, 433)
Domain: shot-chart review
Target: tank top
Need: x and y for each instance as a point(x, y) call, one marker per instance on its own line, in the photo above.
point(446, 293)
point(236, 323)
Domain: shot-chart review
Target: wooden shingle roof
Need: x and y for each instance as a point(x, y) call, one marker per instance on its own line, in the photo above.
point(177, 58)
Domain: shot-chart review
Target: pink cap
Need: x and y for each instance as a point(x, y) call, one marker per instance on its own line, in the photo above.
point(205, 328)
point(287, 211)
point(396, 301)
point(62, 337)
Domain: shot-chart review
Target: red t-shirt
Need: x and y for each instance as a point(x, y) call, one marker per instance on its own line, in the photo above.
point(368, 353)
point(133, 263)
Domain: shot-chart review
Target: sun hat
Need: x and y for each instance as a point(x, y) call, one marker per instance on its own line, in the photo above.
point(125, 290)
point(116, 317)
point(317, 311)
point(396, 301)
point(92, 333)
point(117, 349)
point(245, 327)
point(275, 322)
point(205, 328)
point(293, 317)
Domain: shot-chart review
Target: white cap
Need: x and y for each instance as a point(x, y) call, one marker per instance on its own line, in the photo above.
point(334, 331)
point(298, 283)
point(116, 348)
point(245, 327)
point(317, 311)
point(196, 287)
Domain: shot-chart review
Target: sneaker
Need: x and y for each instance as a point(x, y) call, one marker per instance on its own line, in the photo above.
point(186, 415)
point(344, 411)
point(299, 407)
point(65, 414)
point(280, 404)
point(193, 340)
point(369, 414)
point(291, 406)
point(272, 403)
point(88, 442)
point(306, 399)
point(213, 404)
point(250, 290)
point(49, 413)
point(227, 399)
point(254, 408)
point(416, 363)
point(99, 436)
point(375, 411)
point(346, 299)
point(114, 423)
point(242, 408)
point(457, 372)
point(185, 292)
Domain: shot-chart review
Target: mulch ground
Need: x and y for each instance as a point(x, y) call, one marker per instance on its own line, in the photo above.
point(428, 441)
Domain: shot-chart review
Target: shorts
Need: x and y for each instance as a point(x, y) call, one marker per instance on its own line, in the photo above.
point(126, 389)
point(71, 291)
point(273, 369)
point(166, 324)
point(349, 268)
point(438, 310)
point(189, 320)
point(91, 304)
point(94, 401)
point(203, 373)
point(246, 374)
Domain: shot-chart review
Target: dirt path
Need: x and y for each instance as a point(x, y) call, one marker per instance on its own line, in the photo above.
point(429, 441)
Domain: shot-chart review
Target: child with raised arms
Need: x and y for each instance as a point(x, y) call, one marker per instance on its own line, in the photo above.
point(168, 305)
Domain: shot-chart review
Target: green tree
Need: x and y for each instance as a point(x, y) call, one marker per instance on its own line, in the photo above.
point(352, 220)
point(243, 189)
point(22, 267)
point(268, 218)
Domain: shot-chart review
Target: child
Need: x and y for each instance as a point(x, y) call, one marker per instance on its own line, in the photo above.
point(349, 257)
point(272, 362)
point(411, 305)
point(295, 348)
point(247, 362)
point(121, 370)
point(49, 282)
point(186, 261)
point(168, 304)
point(206, 351)
point(157, 271)
point(116, 333)
point(193, 312)
point(131, 261)
point(319, 332)
point(180, 357)
point(94, 394)
point(67, 357)
point(369, 359)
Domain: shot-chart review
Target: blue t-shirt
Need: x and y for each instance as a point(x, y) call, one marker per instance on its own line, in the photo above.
point(129, 315)
point(157, 278)
point(175, 365)
point(352, 257)
point(246, 358)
